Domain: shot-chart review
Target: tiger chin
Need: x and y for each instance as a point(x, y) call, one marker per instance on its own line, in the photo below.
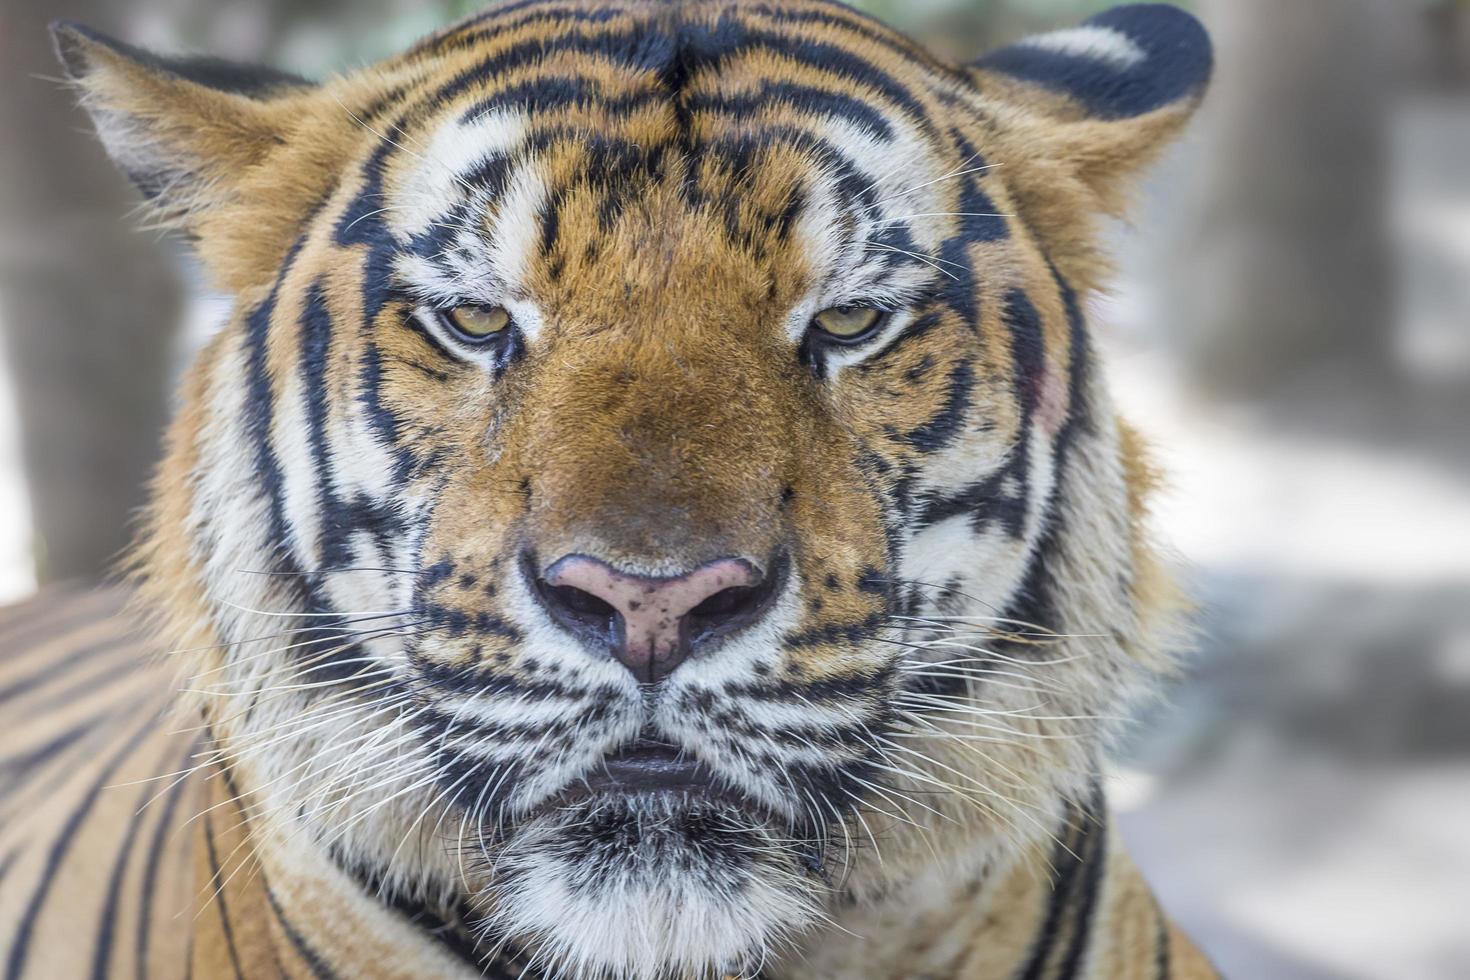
point(650, 887)
point(654, 510)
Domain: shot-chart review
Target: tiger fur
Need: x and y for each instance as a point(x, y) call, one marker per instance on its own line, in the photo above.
point(380, 743)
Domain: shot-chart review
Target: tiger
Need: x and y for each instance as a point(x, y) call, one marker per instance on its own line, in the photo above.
point(654, 511)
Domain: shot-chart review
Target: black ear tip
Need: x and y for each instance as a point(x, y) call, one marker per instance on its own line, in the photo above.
point(1171, 36)
point(66, 41)
point(78, 46)
point(1122, 63)
point(71, 40)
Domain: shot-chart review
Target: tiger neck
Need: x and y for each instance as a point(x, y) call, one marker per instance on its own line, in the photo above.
point(1070, 906)
point(275, 904)
point(971, 922)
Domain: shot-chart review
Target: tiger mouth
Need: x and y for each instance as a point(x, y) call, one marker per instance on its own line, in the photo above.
point(656, 775)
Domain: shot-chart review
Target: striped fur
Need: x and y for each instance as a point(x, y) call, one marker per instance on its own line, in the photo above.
point(381, 719)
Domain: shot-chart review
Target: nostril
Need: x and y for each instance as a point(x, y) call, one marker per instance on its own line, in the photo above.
point(578, 610)
point(733, 608)
point(579, 602)
point(727, 602)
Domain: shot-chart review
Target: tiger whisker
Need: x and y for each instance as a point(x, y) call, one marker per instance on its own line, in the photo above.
point(954, 175)
point(931, 262)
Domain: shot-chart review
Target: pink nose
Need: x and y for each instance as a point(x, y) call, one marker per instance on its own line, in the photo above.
point(652, 625)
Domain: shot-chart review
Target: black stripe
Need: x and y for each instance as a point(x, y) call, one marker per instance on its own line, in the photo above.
point(58, 700)
point(314, 962)
point(1094, 870)
point(843, 64)
point(1163, 969)
point(469, 34)
point(24, 637)
point(149, 889)
point(261, 400)
point(107, 925)
point(941, 430)
point(627, 48)
point(1067, 862)
point(832, 689)
point(924, 323)
point(1079, 365)
point(58, 668)
point(850, 632)
point(260, 412)
point(805, 98)
point(637, 48)
point(983, 501)
point(552, 90)
point(315, 324)
point(21, 949)
point(868, 28)
point(979, 219)
point(219, 895)
point(335, 529)
point(449, 931)
point(457, 622)
point(1028, 350)
point(64, 764)
point(23, 614)
point(22, 764)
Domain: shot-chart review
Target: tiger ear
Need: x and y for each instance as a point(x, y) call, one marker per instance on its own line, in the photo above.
point(1103, 98)
point(195, 135)
point(179, 127)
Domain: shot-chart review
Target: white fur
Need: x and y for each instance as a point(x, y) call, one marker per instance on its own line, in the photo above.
point(454, 151)
point(646, 922)
point(1094, 42)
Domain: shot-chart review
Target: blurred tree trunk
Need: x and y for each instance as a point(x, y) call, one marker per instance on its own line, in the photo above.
point(1446, 64)
point(88, 306)
point(1292, 275)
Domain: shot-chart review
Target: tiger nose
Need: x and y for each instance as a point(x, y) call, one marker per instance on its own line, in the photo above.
point(650, 624)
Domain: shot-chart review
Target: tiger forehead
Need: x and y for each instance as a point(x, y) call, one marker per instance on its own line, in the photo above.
point(733, 130)
point(672, 36)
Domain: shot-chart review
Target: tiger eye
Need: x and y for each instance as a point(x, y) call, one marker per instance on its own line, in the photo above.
point(478, 323)
point(847, 322)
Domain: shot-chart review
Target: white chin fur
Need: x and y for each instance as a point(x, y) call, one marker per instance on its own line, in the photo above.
point(644, 890)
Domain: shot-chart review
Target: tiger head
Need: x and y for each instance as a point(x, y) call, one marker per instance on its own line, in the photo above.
point(656, 484)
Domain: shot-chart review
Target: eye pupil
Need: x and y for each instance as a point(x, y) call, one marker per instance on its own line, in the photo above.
point(847, 323)
point(478, 323)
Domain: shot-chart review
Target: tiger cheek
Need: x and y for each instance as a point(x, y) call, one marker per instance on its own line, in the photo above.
point(840, 530)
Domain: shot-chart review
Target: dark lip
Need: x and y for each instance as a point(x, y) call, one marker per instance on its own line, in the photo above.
point(649, 768)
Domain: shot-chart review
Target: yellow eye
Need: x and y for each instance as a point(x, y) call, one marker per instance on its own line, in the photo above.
point(848, 323)
point(478, 323)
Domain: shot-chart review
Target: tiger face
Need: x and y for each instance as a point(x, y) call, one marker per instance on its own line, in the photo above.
point(656, 484)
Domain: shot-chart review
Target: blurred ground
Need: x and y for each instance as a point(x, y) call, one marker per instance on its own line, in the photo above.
point(1300, 798)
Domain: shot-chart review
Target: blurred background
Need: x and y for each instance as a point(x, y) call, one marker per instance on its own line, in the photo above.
point(1291, 326)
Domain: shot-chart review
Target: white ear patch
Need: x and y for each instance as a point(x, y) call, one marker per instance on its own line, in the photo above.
point(1091, 41)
